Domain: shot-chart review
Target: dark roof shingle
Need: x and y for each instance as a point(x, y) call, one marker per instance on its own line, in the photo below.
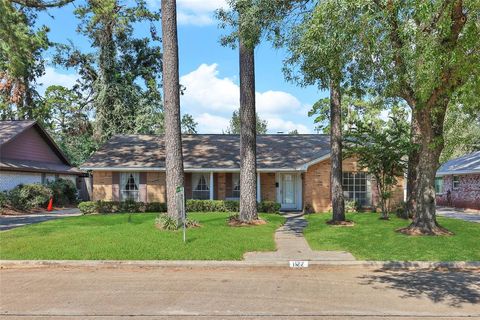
point(213, 151)
point(469, 163)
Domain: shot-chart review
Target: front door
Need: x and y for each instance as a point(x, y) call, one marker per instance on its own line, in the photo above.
point(288, 191)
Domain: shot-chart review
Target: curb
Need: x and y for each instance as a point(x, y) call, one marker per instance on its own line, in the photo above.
point(105, 264)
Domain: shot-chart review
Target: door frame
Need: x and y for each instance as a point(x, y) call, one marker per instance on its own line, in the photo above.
point(298, 190)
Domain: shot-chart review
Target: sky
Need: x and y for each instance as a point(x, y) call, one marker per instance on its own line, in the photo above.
point(207, 70)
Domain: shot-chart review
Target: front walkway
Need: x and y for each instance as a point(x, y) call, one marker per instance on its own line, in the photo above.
point(10, 222)
point(456, 213)
point(291, 245)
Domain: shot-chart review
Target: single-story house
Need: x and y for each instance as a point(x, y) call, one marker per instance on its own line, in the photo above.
point(293, 170)
point(28, 154)
point(457, 182)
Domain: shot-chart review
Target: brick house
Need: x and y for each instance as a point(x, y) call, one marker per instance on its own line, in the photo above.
point(293, 170)
point(457, 182)
point(29, 155)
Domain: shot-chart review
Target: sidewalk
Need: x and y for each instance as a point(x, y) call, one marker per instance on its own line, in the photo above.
point(14, 221)
point(465, 215)
point(291, 245)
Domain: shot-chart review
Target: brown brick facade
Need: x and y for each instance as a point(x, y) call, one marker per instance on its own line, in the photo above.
point(102, 186)
point(268, 189)
point(156, 187)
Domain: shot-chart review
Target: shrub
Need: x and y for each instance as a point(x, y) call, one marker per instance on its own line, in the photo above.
point(107, 206)
point(130, 206)
point(166, 222)
point(87, 207)
point(64, 191)
point(3, 199)
point(29, 196)
point(308, 208)
point(205, 206)
point(268, 207)
point(401, 211)
point(350, 206)
point(232, 205)
point(155, 207)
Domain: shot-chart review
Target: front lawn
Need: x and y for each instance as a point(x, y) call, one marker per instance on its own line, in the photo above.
point(374, 239)
point(112, 237)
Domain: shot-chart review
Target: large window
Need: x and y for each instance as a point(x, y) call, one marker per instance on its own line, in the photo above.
point(356, 187)
point(129, 182)
point(439, 185)
point(236, 185)
point(456, 182)
point(200, 186)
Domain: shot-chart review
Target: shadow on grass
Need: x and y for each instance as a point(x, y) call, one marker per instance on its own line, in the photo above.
point(449, 287)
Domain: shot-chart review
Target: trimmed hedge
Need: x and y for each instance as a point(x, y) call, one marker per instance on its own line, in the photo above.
point(89, 207)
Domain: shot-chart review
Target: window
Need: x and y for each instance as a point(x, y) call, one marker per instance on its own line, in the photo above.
point(129, 182)
point(439, 185)
point(200, 186)
point(356, 187)
point(456, 182)
point(236, 185)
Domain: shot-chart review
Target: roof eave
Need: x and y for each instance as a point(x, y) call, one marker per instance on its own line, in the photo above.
point(457, 172)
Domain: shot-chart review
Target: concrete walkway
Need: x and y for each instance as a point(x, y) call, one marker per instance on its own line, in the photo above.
point(291, 245)
point(471, 216)
point(14, 221)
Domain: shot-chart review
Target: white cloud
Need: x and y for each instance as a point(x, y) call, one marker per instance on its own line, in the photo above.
point(194, 12)
point(53, 77)
point(212, 99)
point(208, 123)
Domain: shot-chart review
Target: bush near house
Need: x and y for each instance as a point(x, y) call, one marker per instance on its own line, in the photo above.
point(64, 191)
point(90, 207)
point(29, 196)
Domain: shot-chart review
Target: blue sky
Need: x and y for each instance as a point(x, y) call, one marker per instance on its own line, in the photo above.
point(208, 71)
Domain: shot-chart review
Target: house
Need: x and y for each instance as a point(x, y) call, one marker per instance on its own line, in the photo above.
point(29, 155)
point(293, 170)
point(457, 182)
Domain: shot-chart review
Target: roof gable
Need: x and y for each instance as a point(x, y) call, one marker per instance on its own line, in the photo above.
point(469, 163)
point(209, 151)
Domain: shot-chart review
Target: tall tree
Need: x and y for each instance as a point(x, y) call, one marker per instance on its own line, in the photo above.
point(171, 91)
point(234, 126)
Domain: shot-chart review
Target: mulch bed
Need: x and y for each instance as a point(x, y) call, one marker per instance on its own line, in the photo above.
point(346, 223)
point(235, 222)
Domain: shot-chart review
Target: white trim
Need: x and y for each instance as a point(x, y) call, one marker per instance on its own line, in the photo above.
point(315, 161)
point(139, 169)
point(259, 194)
point(211, 185)
point(298, 190)
point(456, 173)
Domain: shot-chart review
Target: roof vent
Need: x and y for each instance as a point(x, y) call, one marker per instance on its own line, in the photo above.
point(280, 132)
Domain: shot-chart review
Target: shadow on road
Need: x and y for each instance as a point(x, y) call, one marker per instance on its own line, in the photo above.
point(452, 288)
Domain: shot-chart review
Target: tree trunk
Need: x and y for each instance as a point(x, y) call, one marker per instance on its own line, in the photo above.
point(424, 221)
point(413, 159)
point(171, 93)
point(248, 144)
point(338, 203)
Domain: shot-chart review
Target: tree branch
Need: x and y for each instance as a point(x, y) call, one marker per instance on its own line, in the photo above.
point(40, 4)
point(428, 28)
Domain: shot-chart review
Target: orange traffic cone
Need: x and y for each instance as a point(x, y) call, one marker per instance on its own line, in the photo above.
point(50, 205)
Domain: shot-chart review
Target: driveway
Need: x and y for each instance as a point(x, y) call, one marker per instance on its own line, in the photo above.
point(14, 221)
point(459, 214)
point(238, 293)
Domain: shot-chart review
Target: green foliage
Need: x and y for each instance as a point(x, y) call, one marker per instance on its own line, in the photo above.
point(64, 192)
point(189, 126)
point(87, 207)
point(3, 199)
point(382, 149)
point(156, 207)
point(165, 222)
point(268, 207)
point(29, 196)
point(206, 206)
point(234, 126)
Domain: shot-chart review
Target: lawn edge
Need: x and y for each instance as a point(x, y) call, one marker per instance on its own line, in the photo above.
point(386, 265)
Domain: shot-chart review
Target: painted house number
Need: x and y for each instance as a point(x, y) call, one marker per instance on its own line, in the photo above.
point(298, 264)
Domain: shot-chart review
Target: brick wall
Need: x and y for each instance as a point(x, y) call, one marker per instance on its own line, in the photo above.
point(102, 185)
point(466, 196)
point(156, 187)
point(267, 186)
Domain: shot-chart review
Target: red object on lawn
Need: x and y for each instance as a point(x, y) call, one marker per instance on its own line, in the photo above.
point(50, 205)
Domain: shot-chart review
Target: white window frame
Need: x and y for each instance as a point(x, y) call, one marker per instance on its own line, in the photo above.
point(439, 185)
point(126, 194)
point(236, 185)
point(204, 193)
point(456, 184)
point(353, 175)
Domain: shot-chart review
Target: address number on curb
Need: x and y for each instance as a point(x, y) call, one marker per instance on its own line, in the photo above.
point(298, 264)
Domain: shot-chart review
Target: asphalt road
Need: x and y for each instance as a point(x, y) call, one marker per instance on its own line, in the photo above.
point(237, 293)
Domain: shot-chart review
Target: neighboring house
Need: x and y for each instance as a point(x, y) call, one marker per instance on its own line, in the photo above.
point(457, 183)
point(29, 155)
point(293, 170)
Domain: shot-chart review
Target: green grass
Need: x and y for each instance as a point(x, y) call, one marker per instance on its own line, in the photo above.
point(374, 239)
point(112, 237)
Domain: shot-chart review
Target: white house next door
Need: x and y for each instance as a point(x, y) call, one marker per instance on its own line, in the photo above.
point(288, 192)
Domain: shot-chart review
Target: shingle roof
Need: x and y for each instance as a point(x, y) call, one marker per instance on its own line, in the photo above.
point(26, 165)
point(10, 129)
point(469, 163)
point(213, 151)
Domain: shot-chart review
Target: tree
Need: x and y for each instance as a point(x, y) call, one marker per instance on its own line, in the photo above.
point(382, 148)
point(321, 49)
point(120, 79)
point(423, 53)
point(234, 126)
point(188, 124)
point(171, 89)
point(294, 131)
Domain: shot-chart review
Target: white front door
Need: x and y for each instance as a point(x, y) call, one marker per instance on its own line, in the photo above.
point(287, 193)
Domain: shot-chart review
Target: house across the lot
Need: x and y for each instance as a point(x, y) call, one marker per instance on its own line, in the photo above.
point(29, 155)
point(457, 182)
point(293, 170)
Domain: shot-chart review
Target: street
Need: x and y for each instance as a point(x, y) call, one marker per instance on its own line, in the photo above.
point(243, 293)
